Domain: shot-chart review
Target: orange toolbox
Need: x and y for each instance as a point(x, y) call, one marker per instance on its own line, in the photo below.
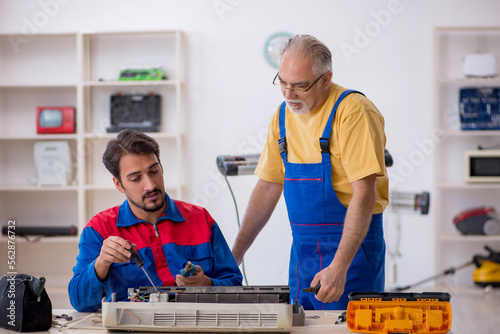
point(399, 312)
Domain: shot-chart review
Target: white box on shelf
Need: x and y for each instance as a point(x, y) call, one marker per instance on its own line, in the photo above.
point(52, 163)
point(480, 65)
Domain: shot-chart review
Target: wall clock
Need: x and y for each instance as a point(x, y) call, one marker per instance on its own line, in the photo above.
point(273, 47)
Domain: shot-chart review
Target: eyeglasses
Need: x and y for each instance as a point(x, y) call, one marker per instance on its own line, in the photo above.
point(297, 90)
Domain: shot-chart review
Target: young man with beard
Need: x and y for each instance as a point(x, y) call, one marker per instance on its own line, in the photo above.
point(166, 233)
point(325, 151)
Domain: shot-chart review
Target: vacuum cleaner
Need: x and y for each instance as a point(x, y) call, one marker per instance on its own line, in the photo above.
point(487, 269)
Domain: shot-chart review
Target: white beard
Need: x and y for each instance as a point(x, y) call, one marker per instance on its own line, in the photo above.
point(303, 110)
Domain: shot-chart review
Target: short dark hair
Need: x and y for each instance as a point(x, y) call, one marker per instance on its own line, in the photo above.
point(128, 141)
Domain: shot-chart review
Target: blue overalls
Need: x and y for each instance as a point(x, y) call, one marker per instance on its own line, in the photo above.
point(316, 218)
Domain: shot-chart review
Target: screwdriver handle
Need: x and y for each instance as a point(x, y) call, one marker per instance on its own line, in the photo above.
point(135, 256)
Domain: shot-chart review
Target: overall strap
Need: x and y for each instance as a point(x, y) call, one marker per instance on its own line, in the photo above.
point(323, 141)
point(282, 140)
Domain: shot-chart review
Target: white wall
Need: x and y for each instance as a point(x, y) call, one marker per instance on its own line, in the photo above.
point(229, 98)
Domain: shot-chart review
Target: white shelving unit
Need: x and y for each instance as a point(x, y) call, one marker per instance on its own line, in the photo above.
point(452, 194)
point(80, 69)
point(102, 55)
point(39, 72)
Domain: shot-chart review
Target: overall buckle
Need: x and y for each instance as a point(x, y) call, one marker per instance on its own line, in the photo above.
point(282, 145)
point(325, 147)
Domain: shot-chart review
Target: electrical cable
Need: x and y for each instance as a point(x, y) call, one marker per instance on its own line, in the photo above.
point(393, 223)
point(75, 323)
point(134, 315)
point(239, 226)
point(396, 251)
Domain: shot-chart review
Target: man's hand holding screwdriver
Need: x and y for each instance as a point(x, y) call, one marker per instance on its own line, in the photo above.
point(117, 250)
point(114, 250)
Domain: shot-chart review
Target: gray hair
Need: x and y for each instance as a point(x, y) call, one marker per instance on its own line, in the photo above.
point(311, 47)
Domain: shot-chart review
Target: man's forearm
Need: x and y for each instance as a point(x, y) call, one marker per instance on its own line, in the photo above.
point(85, 292)
point(260, 207)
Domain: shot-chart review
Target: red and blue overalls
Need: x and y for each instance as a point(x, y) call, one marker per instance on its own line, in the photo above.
point(185, 232)
point(316, 217)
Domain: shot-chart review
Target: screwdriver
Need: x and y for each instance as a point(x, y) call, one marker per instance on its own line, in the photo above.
point(341, 318)
point(140, 263)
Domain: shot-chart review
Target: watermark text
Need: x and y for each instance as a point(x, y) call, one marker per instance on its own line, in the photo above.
point(11, 265)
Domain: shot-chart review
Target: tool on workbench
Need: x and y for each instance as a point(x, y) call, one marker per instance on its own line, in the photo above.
point(64, 316)
point(188, 270)
point(314, 289)
point(140, 263)
point(341, 318)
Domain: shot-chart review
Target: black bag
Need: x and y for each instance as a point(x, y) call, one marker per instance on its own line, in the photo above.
point(20, 309)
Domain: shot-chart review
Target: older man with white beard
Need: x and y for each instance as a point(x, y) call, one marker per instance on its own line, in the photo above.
point(325, 151)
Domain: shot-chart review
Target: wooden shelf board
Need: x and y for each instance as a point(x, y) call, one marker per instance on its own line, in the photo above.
point(468, 186)
point(467, 238)
point(68, 136)
point(34, 188)
point(113, 83)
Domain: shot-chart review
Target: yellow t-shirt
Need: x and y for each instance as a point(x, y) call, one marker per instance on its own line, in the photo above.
point(357, 144)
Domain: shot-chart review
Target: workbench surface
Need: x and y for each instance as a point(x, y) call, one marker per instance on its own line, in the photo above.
point(474, 310)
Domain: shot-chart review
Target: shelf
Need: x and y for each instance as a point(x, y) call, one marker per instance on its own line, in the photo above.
point(453, 45)
point(38, 137)
point(113, 83)
point(34, 239)
point(468, 238)
point(99, 187)
point(469, 133)
point(106, 187)
point(33, 188)
point(467, 30)
point(470, 81)
point(452, 194)
point(66, 69)
point(135, 32)
point(468, 186)
point(156, 135)
point(40, 85)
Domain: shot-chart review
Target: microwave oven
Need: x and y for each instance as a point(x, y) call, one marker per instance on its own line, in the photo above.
point(482, 166)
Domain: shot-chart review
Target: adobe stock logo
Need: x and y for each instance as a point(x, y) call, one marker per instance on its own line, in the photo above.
point(363, 37)
point(30, 27)
point(221, 7)
point(406, 166)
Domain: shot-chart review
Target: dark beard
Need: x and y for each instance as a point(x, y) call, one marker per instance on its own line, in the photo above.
point(150, 209)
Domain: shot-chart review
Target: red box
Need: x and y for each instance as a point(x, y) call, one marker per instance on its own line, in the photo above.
point(55, 119)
